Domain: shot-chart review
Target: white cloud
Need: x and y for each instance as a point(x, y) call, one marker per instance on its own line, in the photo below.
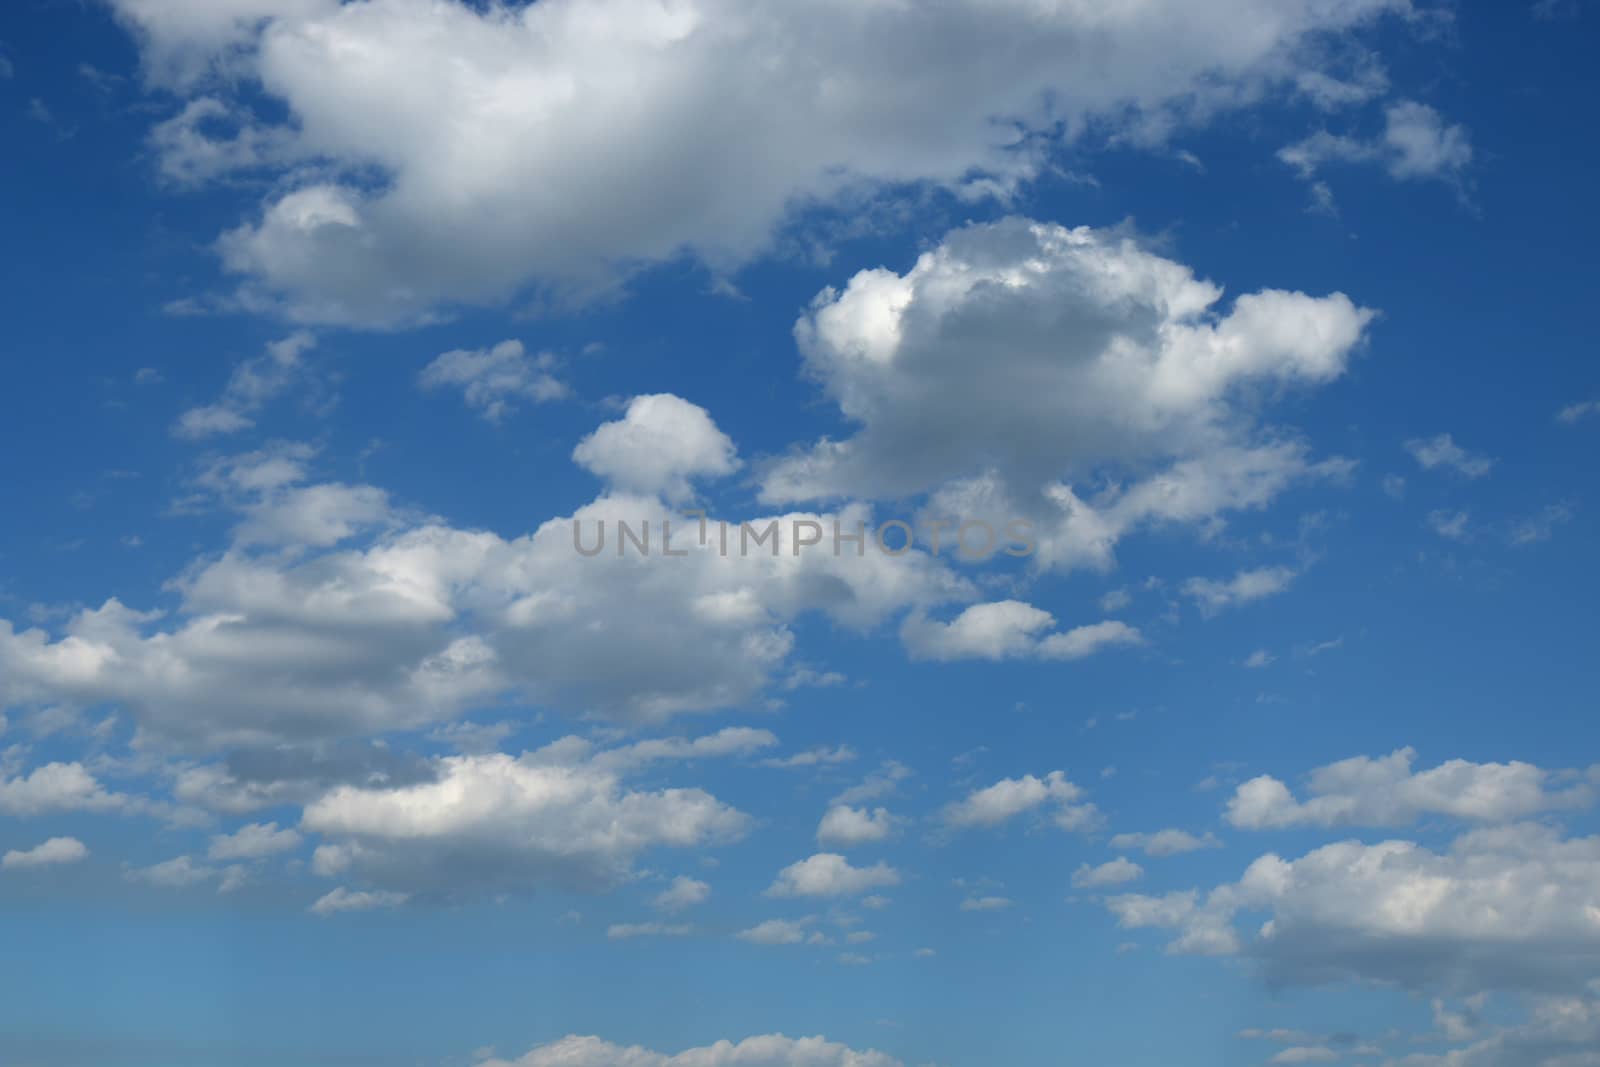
point(1110, 355)
point(342, 900)
point(1442, 451)
point(776, 932)
point(629, 931)
point(253, 842)
point(419, 621)
point(828, 874)
point(492, 379)
point(1575, 413)
point(52, 853)
point(1213, 596)
point(176, 873)
point(658, 447)
point(1507, 908)
point(1449, 524)
point(1117, 872)
point(253, 384)
point(562, 815)
point(564, 143)
point(1165, 842)
point(843, 826)
point(684, 892)
point(1386, 792)
point(1008, 629)
point(1010, 797)
point(1416, 143)
point(773, 1050)
point(55, 787)
point(991, 903)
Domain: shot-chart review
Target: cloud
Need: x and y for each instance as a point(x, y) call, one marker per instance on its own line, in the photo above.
point(986, 904)
point(1442, 451)
point(828, 874)
point(1364, 791)
point(1006, 799)
point(55, 787)
point(564, 144)
point(386, 621)
point(629, 931)
point(1057, 351)
point(1008, 629)
point(1165, 842)
point(1449, 524)
point(1505, 908)
point(684, 892)
point(492, 379)
point(775, 932)
point(253, 384)
point(1117, 872)
point(1213, 596)
point(1575, 413)
point(342, 900)
point(52, 853)
point(1416, 143)
point(560, 816)
point(176, 873)
point(843, 826)
point(253, 842)
point(773, 1050)
point(657, 448)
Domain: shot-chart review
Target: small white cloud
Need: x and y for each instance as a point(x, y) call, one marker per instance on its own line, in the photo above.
point(52, 853)
point(491, 380)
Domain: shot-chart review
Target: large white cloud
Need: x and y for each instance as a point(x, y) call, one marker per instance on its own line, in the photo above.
point(1513, 907)
point(335, 614)
point(1364, 791)
point(562, 815)
point(1019, 362)
point(564, 140)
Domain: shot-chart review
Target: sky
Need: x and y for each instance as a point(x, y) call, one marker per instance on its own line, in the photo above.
point(1168, 436)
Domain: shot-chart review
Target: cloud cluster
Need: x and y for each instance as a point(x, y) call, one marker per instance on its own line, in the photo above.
point(467, 151)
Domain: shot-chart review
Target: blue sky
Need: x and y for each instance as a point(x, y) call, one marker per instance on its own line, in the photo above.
point(322, 746)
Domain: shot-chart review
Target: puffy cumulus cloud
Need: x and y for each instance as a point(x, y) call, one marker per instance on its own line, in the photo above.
point(828, 874)
point(1506, 908)
point(661, 443)
point(773, 1050)
point(52, 853)
point(845, 826)
point(567, 142)
point(1008, 629)
point(492, 379)
point(55, 787)
point(562, 815)
point(374, 620)
point(1010, 797)
point(1364, 791)
point(1019, 359)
